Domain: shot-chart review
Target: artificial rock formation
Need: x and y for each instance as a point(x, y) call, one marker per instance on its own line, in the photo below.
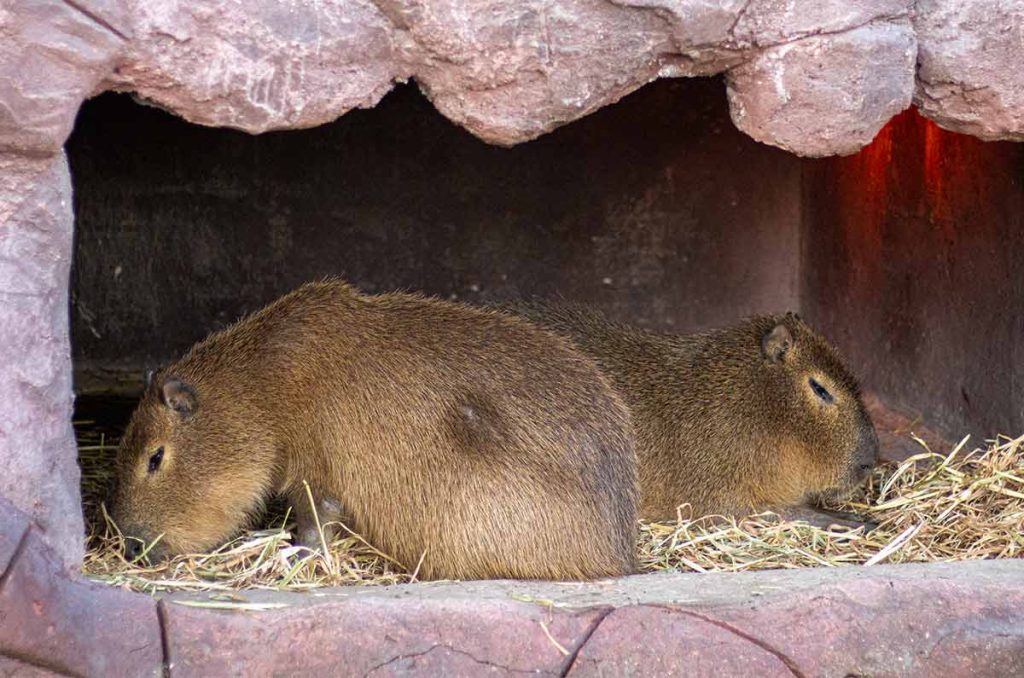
point(816, 78)
point(817, 83)
point(38, 471)
point(970, 78)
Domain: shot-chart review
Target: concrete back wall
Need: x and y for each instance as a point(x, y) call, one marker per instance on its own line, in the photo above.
point(656, 209)
point(913, 262)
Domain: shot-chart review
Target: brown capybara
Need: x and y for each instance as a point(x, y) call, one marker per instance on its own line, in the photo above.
point(488, 446)
point(762, 415)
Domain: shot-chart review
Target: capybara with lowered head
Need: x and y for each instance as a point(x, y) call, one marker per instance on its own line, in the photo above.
point(488, 446)
point(761, 415)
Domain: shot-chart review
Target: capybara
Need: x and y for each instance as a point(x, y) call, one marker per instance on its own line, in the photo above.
point(761, 415)
point(488, 446)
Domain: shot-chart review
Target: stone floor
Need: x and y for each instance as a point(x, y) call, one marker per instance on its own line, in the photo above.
point(907, 620)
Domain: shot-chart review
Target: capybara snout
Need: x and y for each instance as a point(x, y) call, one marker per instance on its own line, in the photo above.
point(189, 475)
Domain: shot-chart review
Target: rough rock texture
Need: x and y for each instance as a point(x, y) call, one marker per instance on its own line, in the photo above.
point(38, 468)
point(378, 637)
point(970, 78)
point(944, 619)
point(53, 54)
point(873, 626)
point(71, 626)
point(507, 72)
point(14, 668)
point(780, 97)
point(661, 641)
point(259, 66)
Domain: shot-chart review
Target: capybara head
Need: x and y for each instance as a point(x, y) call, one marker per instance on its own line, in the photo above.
point(809, 399)
point(190, 472)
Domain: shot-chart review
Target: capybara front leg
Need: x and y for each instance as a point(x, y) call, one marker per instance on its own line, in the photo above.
point(314, 528)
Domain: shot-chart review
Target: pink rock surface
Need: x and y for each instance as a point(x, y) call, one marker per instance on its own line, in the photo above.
point(908, 620)
point(73, 626)
point(53, 54)
point(38, 468)
point(826, 94)
point(878, 626)
point(814, 78)
point(13, 525)
point(507, 72)
point(970, 78)
point(259, 66)
point(425, 636)
point(14, 668)
point(869, 625)
point(649, 640)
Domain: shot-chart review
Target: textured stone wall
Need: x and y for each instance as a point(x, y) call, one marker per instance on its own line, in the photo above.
point(816, 78)
point(38, 468)
point(511, 71)
point(970, 77)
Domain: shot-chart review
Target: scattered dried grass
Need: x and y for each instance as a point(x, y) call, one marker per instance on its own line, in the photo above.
point(932, 507)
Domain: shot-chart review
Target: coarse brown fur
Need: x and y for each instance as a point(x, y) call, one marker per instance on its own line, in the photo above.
point(473, 437)
point(729, 421)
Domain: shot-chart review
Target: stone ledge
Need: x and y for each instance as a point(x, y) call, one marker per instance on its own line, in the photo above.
point(942, 619)
point(377, 636)
point(935, 619)
point(13, 526)
point(507, 72)
point(14, 668)
point(48, 619)
point(880, 624)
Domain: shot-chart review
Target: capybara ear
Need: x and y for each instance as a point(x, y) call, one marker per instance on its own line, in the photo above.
point(179, 396)
point(776, 343)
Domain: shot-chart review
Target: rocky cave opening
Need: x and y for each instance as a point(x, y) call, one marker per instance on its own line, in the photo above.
point(623, 185)
point(656, 210)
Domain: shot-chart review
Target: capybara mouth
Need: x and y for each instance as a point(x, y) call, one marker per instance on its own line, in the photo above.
point(137, 549)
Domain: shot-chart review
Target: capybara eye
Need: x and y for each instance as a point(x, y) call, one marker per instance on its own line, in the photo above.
point(820, 391)
point(154, 461)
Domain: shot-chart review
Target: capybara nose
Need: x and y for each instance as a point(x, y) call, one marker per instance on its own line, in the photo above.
point(133, 548)
point(867, 451)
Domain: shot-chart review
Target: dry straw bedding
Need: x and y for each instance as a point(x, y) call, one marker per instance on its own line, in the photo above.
point(967, 504)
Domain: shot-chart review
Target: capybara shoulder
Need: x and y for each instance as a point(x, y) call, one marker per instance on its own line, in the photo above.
point(763, 414)
point(468, 438)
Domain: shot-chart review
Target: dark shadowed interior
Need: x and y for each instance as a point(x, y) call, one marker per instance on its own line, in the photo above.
point(913, 263)
point(908, 255)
